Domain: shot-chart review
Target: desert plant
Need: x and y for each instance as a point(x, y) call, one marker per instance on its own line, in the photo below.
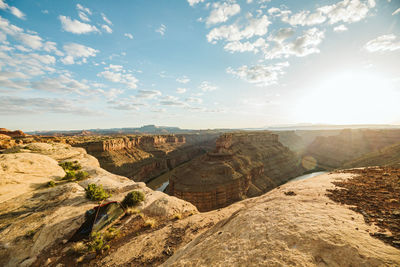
point(133, 198)
point(96, 243)
point(96, 193)
point(70, 166)
point(69, 175)
point(151, 223)
point(111, 233)
point(81, 175)
point(51, 184)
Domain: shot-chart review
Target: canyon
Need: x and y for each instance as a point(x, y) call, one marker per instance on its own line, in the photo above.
point(295, 223)
point(224, 188)
point(243, 164)
point(142, 158)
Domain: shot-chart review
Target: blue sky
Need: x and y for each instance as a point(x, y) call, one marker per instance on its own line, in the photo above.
point(198, 63)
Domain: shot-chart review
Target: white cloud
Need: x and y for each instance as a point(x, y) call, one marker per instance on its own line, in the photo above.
point(84, 9)
point(83, 16)
point(116, 74)
point(106, 19)
point(247, 46)
point(125, 104)
point(235, 32)
point(162, 29)
point(194, 100)
point(303, 18)
point(148, 94)
point(194, 2)
point(388, 42)
point(52, 47)
point(181, 90)
point(128, 35)
point(260, 75)
point(75, 26)
point(340, 28)
point(183, 80)
point(282, 34)
point(13, 10)
point(302, 46)
point(62, 83)
point(106, 28)
point(77, 51)
point(222, 12)
point(18, 105)
point(347, 10)
point(32, 41)
point(397, 11)
point(207, 86)
point(171, 101)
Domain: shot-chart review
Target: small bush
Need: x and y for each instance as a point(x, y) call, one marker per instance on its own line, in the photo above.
point(51, 184)
point(132, 211)
point(96, 193)
point(81, 175)
point(69, 176)
point(70, 166)
point(110, 234)
point(133, 198)
point(151, 223)
point(97, 243)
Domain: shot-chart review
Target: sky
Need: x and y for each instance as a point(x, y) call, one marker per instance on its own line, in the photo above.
point(198, 64)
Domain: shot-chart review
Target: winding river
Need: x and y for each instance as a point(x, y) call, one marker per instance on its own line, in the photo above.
point(159, 184)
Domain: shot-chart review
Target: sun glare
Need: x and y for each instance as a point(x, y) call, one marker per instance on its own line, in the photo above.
point(350, 98)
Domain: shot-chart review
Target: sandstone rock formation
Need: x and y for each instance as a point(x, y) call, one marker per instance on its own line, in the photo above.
point(244, 164)
point(304, 228)
point(35, 218)
point(16, 133)
point(142, 158)
point(333, 151)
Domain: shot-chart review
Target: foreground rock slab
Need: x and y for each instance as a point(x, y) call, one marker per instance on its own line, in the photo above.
point(301, 229)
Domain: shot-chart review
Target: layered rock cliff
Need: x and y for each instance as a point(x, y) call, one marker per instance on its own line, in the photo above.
point(242, 165)
point(142, 158)
point(331, 152)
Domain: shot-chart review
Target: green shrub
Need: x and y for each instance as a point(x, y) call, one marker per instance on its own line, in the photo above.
point(69, 175)
point(96, 243)
point(133, 198)
point(96, 193)
point(70, 166)
point(51, 184)
point(81, 175)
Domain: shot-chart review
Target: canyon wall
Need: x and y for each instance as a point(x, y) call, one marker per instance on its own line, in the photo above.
point(243, 164)
point(331, 152)
point(145, 157)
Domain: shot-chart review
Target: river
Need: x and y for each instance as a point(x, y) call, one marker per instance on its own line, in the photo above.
point(159, 184)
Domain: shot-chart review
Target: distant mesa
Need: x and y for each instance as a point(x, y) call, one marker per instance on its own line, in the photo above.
point(17, 133)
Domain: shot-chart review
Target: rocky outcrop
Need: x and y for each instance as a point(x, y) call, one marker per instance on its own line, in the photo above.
point(331, 152)
point(131, 142)
point(242, 165)
point(35, 219)
point(294, 225)
point(16, 133)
